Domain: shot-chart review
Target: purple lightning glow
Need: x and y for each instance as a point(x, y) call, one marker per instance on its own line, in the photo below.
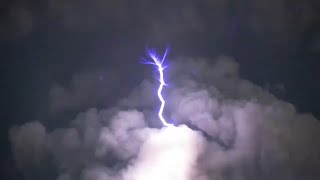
point(159, 64)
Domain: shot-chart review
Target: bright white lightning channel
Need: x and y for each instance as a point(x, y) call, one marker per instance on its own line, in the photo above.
point(159, 64)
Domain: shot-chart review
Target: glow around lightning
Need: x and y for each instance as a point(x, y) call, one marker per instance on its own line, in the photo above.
point(159, 64)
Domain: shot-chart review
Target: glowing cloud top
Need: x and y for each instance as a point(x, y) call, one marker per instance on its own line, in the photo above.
point(156, 61)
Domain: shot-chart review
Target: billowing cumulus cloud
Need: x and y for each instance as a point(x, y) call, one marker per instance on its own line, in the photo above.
point(170, 153)
point(227, 128)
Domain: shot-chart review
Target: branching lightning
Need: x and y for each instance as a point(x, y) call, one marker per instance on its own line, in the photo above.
point(156, 61)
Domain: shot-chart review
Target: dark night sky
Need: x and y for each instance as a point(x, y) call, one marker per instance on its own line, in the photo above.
point(277, 44)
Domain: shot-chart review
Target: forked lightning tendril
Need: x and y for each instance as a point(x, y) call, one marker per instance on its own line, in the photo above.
point(159, 64)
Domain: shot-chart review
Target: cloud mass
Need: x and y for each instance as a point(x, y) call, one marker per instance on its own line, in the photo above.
point(227, 128)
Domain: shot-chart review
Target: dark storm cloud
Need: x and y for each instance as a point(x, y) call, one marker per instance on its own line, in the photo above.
point(160, 21)
point(252, 134)
point(30, 143)
point(281, 19)
point(83, 90)
point(243, 131)
point(87, 14)
point(16, 20)
point(166, 20)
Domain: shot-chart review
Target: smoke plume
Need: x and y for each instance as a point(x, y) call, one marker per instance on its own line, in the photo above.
point(226, 128)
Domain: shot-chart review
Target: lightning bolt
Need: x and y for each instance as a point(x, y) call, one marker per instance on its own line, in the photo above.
point(158, 62)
